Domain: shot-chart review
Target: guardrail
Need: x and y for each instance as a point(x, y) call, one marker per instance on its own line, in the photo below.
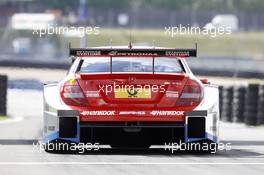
point(243, 104)
point(3, 94)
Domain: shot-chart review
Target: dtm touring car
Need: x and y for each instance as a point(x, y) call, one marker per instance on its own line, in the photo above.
point(131, 97)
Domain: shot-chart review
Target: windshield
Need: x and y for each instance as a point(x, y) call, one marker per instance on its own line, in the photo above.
point(131, 64)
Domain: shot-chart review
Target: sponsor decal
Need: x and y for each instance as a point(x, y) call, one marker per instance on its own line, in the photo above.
point(177, 54)
point(116, 53)
point(133, 93)
point(138, 54)
point(112, 53)
point(104, 113)
point(88, 53)
point(132, 113)
point(133, 52)
point(142, 113)
point(72, 81)
point(51, 128)
point(167, 113)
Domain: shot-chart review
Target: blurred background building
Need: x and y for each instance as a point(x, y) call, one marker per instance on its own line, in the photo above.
point(143, 13)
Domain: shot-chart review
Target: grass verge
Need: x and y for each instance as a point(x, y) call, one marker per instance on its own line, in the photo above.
point(3, 117)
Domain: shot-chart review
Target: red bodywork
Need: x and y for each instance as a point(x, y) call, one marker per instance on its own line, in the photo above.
point(174, 93)
point(166, 105)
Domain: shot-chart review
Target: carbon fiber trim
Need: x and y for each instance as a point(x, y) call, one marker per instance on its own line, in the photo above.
point(196, 113)
point(132, 124)
point(68, 113)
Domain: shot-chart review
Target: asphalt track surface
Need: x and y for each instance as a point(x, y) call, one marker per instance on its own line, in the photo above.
point(19, 156)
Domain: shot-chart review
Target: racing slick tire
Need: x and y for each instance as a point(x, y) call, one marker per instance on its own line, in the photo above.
point(226, 107)
point(239, 104)
point(260, 115)
point(251, 104)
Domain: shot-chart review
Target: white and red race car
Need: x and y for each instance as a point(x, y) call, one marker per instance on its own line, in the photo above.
point(131, 97)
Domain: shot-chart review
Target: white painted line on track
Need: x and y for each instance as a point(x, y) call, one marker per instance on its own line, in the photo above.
point(131, 163)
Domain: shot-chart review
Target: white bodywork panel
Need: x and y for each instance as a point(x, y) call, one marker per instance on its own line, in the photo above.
point(210, 103)
point(52, 103)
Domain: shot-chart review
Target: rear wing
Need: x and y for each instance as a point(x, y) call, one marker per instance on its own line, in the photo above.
point(131, 52)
